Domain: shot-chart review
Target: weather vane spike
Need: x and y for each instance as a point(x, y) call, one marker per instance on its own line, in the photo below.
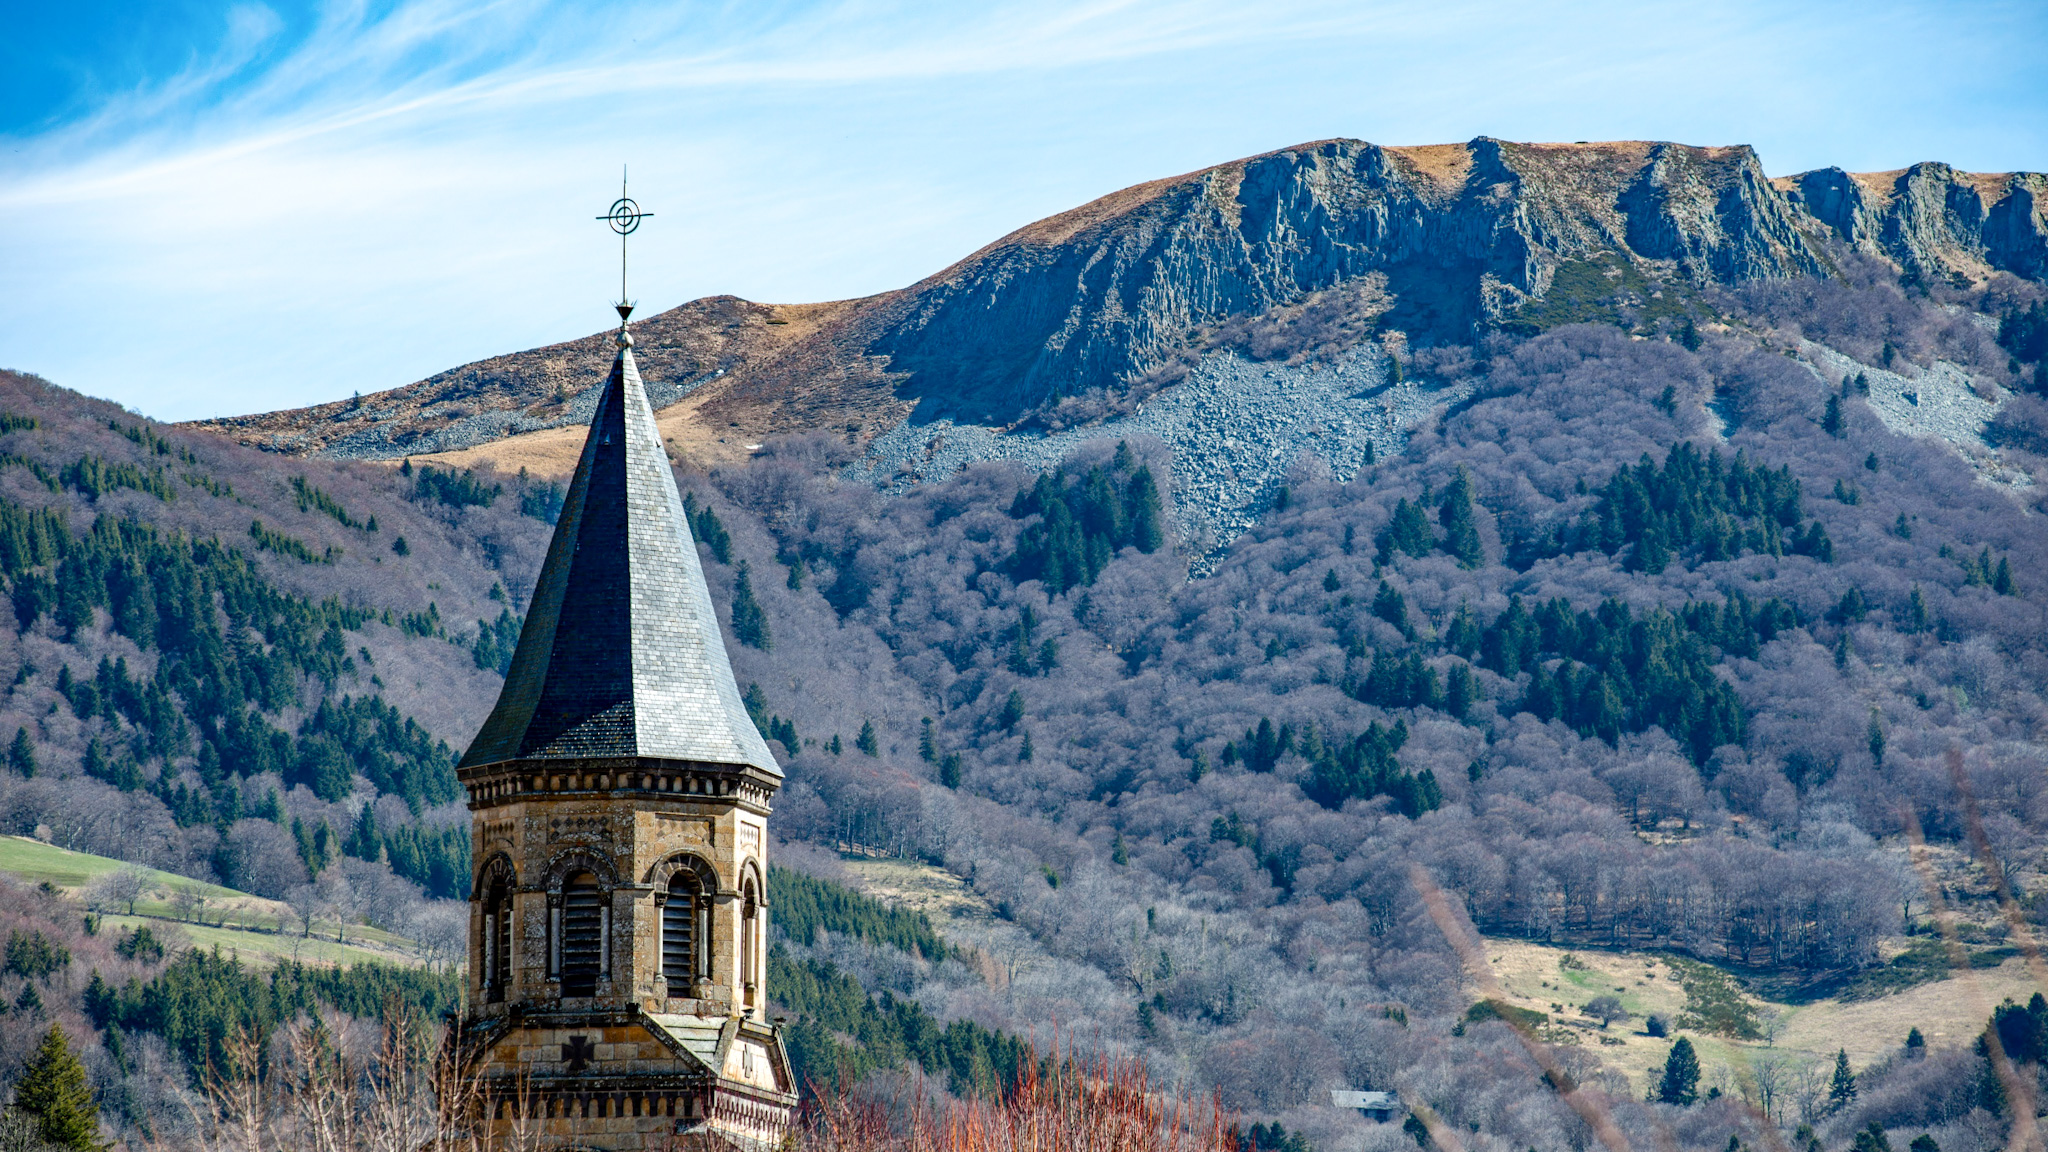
point(624, 217)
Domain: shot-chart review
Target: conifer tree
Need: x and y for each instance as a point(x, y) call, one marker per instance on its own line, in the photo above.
point(927, 746)
point(749, 623)
point(866, 741)
point(1460, 690)
point(1147, 519)
point(1024, 752)
point(1831, 421)
point(1841, 1086)
point(1874, 736)
point(21, 755)
point(1013, 710)
point(1388, 604)
point(1461, 531)
point(835, 746)
point(1681, 1081)
point(1689, 336)
point(2001, 581)
point(1408, 531)
point(364, 843)
point(54, 1092)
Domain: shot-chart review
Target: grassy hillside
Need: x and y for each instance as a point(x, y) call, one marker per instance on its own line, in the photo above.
point(260, 931)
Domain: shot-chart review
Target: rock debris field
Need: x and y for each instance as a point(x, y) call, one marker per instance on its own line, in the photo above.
point(1236, 428)
point(1939, 402)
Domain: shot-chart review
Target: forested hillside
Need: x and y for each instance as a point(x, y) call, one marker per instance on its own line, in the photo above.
point(1668, 633)
point(1665, 639)
point(243, 672)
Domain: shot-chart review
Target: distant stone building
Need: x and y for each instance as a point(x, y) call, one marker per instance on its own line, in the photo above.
point(620, 798)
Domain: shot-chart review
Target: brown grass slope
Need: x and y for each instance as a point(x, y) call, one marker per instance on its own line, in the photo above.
point(1092, 297)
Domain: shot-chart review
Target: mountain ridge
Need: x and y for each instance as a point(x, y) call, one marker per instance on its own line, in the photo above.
point(1092, 299)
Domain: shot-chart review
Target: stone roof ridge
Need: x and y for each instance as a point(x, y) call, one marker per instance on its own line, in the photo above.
point(621, 653)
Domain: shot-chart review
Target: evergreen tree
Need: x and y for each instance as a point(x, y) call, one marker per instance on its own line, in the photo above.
point(1842, 1085)
point(1831, 421)
point(364, 843)
point(1024, 751)
point(1916, 611)
point(1013, 710)
point(866, 741)
point(1330, 581)
point(2001, 582)
point(1681, 1081)
point(1871, 1139)
point(21, 755)
point(835, 746)
point(927, 746)
point(1388, 604)
point(1461, 530)
point(1118, 852)
point(1689, 335)
point(1460, 690)
point(1916, 1044)
point(749, 623)
point(54, 1092)
point(1147, 517)
point(795, 583)
point(1923, 1143)
point(1463, 634)
point(1874, 736)
point(1408, 532)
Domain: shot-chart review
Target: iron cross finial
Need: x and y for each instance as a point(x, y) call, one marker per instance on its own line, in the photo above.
point(624, 217)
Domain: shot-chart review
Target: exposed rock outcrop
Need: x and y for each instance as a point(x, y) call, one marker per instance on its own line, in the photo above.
point(1457, 239)
point(1465, 234)
point(1933, 221)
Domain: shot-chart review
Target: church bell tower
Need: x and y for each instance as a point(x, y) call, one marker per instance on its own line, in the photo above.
point(620, 799)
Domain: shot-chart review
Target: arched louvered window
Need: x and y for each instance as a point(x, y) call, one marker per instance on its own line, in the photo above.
point(750, 939)
point(497, 958)
point(585, 927)
point(685, 927)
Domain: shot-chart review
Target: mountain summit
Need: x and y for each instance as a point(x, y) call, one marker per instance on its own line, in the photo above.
point(1439, 243)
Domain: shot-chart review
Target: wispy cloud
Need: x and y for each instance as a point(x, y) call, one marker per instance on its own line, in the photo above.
point(354, 199)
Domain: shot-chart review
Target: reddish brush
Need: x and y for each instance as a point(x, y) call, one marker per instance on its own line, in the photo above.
point(1105, 1105)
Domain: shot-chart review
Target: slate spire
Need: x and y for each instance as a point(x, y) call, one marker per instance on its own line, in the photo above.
point(621, 654)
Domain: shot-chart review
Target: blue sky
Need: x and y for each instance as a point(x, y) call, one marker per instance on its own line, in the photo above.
point(212, 208)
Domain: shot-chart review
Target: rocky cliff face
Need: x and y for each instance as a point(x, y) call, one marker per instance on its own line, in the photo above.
point(1933, 221)
point(1455, 239)
point(1465, 234)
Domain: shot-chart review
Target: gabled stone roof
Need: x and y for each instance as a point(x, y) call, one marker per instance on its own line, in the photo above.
point(621, 654)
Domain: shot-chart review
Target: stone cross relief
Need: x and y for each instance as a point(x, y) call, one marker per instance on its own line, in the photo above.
point(578, 1052)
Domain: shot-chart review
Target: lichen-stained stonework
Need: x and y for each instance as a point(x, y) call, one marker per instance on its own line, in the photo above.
point(620, 797)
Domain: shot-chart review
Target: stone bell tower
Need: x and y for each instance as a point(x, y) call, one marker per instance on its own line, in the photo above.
point(620, 798)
